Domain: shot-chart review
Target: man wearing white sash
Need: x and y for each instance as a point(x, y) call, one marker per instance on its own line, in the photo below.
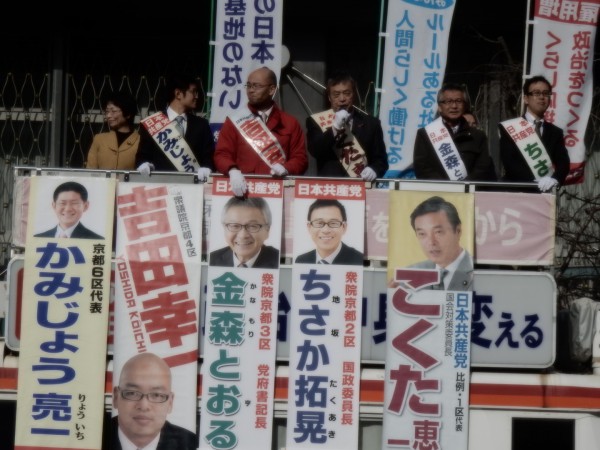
point(448, 148)
point(344, 141)
point(260, 139)
point(176, 139)
point(531, 149)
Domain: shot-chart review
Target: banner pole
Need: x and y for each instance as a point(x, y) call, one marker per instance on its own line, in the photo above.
point(378, 68)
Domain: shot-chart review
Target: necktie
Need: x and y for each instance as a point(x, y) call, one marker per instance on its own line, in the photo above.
point(63, 235)
point(323, 262)
point(243, 265)
point(263, 116)
point(440, 286)
point(538, 128)
point(179, 120)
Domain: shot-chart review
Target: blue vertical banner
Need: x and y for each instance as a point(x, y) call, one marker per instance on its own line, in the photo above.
point(415, 56)
point(247, 36)
point(325, 315)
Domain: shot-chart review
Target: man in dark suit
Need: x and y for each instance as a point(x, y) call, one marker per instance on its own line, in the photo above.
point(438, 228)
point(537, 92)
point(70, 201)
point(182, 92)
point(143, 399)
point(327, 144)
point(327, 224)
point(246, 223)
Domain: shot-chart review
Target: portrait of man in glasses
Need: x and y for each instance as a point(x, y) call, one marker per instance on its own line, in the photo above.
point(143, 399)
point(246, 225)
point(327, 223)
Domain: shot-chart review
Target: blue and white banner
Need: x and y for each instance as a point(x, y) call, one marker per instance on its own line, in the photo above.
point(413, 72)
point(247, 37)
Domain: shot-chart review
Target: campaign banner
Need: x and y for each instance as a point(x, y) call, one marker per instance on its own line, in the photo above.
point(325, 315)
point(62, 360)
point(563, 51)
point(247, 37)
point(415, 56)
point(515, 228)
point(426, 394)
point(239, 350)
point(156, 313)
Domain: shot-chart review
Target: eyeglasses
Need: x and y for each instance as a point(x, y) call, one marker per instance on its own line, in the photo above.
point(136, 396)
point(456, 101)
point(71, 204)
point(538, 94)
point(321, 223)
point(108, 112)
point(336, 94)
point(249, 227)
point(256, 86)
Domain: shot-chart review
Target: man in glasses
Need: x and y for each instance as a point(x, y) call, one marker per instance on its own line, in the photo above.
point(327, 223)
point(448, 148)
point(246, 224)
point(70, 201)
point(532, 149)
point(260, 138)
point(176, 139)
point(344, 141)
point(143, 399)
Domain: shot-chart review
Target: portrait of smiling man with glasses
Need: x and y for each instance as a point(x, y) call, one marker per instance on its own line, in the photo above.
point(246, 226)
point(70, 201)
point(464, 154)
point(143, 400)
point(327, 223)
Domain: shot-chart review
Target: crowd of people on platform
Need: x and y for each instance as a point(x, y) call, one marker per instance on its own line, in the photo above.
point(344, 141)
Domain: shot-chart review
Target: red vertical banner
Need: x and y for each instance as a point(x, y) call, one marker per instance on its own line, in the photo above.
point(62, 363)
point(563, 51)
point(239, 349)
point(325, 315)
point(157, 292)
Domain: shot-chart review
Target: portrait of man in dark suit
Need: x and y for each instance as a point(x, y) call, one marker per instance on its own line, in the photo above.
point(327, 223)
point(70, 201)
point(246, 224)
point(438, 229)
point(143, 399)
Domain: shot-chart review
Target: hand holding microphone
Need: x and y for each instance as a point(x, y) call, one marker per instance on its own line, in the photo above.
point(341, 120)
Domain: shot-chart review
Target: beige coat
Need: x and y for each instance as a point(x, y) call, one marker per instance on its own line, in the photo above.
point(104, 153)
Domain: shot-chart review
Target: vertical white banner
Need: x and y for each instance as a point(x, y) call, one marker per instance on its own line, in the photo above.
point(562, 50)
point(325, 315)
point(157, 292)
point(247, 36)
point(239, 349)
point(62, 361)
point(413, 71)
point(426, 395)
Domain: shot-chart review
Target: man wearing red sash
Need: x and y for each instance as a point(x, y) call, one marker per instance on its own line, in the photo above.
point(522, 162)
point(182, 92)
point(260, 139)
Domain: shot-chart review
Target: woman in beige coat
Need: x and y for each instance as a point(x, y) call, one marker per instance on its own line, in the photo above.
point(116, 149)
